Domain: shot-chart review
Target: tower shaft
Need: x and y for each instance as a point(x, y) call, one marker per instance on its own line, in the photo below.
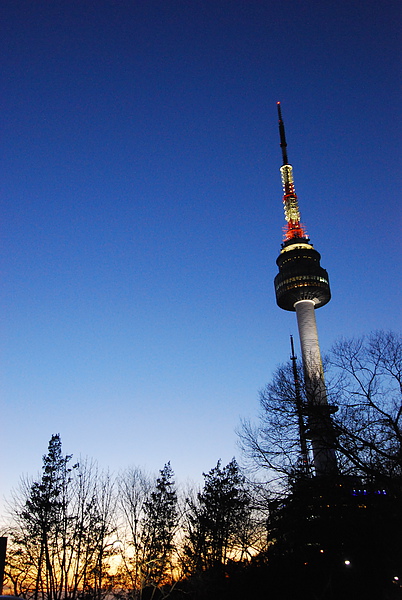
point(320, 428)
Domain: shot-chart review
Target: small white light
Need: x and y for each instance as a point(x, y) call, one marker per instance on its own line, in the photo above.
point(347, 563)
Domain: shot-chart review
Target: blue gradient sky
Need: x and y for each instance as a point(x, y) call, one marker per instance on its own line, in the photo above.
point(142, 213)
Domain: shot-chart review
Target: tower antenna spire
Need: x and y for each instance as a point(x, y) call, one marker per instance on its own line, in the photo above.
point(282, 136)
point(294, 228)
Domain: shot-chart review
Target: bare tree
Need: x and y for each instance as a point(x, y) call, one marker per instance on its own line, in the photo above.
point(134, 488)
point(364, 380)
point(369, 395)
point(95, 532)
point(273, 444)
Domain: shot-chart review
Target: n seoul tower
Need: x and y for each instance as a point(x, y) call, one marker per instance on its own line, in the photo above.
point(302, 285)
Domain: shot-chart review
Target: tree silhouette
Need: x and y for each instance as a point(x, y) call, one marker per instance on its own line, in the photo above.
point(44, 515)
point(60, 534)
point(158, 528)
point(217, 518)
point(364, 382)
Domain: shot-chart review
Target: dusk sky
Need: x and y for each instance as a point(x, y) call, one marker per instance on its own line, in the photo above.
point(142, 213)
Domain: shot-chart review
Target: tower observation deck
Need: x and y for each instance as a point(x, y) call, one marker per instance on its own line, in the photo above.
point(302, 285)
point(300, 276)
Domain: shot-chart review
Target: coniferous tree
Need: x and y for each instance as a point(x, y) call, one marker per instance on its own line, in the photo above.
point(217, 518)
point(158, 528)
point(44, 515)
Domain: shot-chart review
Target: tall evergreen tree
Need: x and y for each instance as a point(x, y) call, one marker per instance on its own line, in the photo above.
point(217, 518)
point(158, 528)
point(44, 515)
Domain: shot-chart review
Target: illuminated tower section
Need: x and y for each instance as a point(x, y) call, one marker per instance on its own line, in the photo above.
point(302, 285)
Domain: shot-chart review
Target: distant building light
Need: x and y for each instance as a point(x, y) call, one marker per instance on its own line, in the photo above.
point(365, 492)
